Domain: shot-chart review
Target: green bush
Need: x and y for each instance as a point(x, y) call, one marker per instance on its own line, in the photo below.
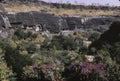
point(22, 34)
point(94, 36)
point(61, 43)
point(6, 73)
point(27, 46)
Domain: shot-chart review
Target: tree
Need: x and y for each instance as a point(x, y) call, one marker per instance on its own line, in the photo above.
point(110, 41)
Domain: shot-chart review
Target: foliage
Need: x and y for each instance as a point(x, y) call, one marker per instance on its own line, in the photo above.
point(92, 72)
point(60, 59)
point(27, 46)
point(94, 36)
point(51, 72)
point(110, 41)
point(61, 43)
point(6, 73)
point(22, 34)
point(16, 52)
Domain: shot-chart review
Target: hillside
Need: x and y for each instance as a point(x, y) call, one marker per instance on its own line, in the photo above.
point(59, 9)
point(42, 41)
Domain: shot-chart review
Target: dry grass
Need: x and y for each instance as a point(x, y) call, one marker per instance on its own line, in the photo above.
point(26, 8)
point(23, 8)
point(84, 12)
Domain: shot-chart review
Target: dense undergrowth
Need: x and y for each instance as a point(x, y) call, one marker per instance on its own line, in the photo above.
point(28, 56)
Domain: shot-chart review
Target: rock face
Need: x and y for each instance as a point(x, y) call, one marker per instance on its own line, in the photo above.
point(54, 23)
point(30, 19)
point(97, 23)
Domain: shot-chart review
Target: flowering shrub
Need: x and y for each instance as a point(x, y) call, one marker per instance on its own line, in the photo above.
point(85, 72)
point(53, 72)
point(50, 72)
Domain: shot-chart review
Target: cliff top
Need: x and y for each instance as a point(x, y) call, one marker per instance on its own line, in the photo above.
point(59, 9)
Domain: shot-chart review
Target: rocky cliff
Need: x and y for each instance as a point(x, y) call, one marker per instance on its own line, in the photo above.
point(52, 22)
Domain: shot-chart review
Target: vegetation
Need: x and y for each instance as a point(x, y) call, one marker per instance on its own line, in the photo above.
point(24, 58)
point(6, 74)
point(60, 9)
point(110, 41)
point(61, 43)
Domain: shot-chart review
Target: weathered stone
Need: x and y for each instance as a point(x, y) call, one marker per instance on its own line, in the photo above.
point(53, 23)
